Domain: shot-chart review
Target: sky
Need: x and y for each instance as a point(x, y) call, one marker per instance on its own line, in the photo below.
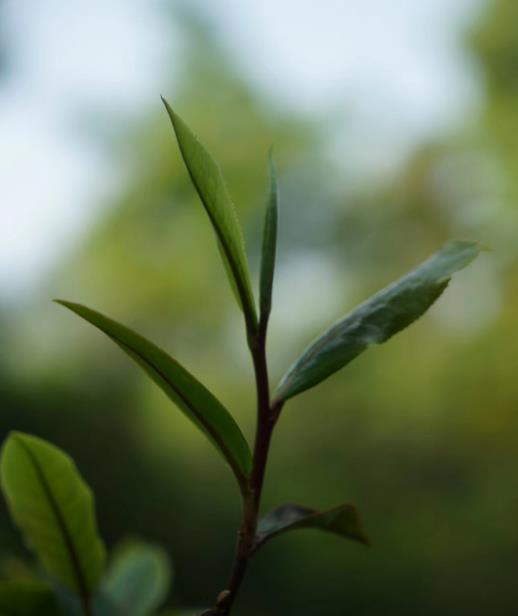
point(397, 67)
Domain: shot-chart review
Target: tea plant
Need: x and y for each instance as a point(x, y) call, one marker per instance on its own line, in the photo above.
point(54, 508)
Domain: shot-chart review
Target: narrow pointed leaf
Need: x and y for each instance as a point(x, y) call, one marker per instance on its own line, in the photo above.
point(377, 319)
point(54, 509)
point(208, 181)
point(197, 402)
point(269, 248)
point(342, 520)
point(138, 579)
point(27, 598)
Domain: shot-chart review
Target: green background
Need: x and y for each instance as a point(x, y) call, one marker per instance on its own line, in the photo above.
point(421, 434)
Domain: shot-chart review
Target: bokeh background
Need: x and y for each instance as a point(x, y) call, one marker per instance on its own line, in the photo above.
point(395, 128)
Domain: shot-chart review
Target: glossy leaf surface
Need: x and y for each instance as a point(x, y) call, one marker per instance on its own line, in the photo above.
point(269, 248)
point(197, 402)
point(342, 520)
point(54, 509)
point(377, 319)
point(210, 186)
point(138, 579)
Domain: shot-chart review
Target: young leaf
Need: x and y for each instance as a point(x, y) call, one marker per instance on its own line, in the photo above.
point(27, 598)
point(377, 319)
point(54, 509)
point(208, 181)
point(269, 249)
point(200, 406)
point(342, 520)
point(138, 579)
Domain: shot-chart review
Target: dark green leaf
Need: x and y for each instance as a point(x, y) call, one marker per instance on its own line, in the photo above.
point(377, 319)
point(208, 181)
point(269, 248)
point(24, 598)
point(54, 509)
point(342, 520)
point(206, 412)
point(138, 579)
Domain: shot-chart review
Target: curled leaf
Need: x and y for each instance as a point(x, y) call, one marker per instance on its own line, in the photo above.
point(342, 520)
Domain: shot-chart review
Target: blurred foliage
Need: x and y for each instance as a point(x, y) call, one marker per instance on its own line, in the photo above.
point(420, 434)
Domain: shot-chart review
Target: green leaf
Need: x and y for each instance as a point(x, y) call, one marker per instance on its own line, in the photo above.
point(200, 406)
point(377, 319)
point(24, 598)
point(269, 248)
point(54, 508)
point(138, 579)
point(71, 605)
point(342, 520)
point(208, 181)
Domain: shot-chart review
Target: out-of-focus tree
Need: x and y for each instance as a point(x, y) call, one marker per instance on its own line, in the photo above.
point(495, 44)
point(424, 431)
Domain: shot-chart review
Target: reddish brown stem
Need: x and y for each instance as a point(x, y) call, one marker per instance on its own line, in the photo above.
point(266, 418)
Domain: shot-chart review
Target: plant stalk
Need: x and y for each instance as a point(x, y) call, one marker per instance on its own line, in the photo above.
point(266, 419)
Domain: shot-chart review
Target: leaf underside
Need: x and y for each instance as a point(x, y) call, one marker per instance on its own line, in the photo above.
point(191, 397)
point(377, 319)
point(208, 181)
point(54, 509)
point(138, 579)
point(342, 520)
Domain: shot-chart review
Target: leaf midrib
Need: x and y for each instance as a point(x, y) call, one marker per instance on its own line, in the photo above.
point(60, 520)
point(248, 306)
point(213, 434)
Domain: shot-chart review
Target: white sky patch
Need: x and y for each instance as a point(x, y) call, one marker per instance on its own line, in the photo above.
point(393, 68)
point(39, 175)
point(397, 62)
point(66, 57)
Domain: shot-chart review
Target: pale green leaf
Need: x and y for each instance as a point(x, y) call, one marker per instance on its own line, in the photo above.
point(54, 509)
point(208, 181)
point(138, 579)
point(195, 400)
point(377, 319)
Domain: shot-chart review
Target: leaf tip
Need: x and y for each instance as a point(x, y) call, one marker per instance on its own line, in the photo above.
point(362, 536)
point(15, 436)
point(164, 101)
point(66, 304)
point(173, 116)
